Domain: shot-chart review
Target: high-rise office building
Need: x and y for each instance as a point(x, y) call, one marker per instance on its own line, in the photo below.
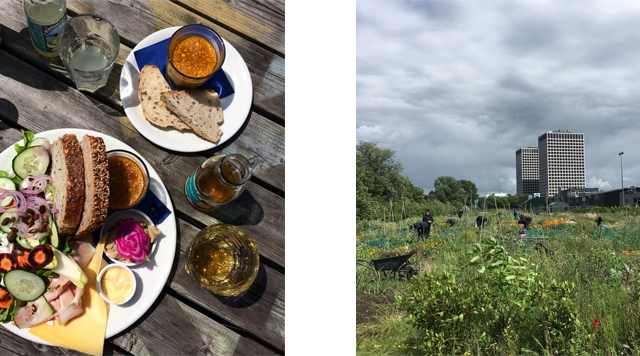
point(561, 161)
point(527, 173)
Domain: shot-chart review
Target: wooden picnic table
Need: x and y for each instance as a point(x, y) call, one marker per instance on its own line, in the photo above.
point(37, 94)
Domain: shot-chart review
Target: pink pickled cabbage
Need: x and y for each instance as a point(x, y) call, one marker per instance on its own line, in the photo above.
point(131, 241)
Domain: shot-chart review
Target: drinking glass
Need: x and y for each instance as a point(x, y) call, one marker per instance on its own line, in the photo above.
point(88, 46)
point(223, 259)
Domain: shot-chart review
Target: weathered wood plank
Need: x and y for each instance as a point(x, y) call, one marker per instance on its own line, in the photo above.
point(174, 328)
point(258, 211)
point(259, 20)
point(260, 310)
point(136, 19)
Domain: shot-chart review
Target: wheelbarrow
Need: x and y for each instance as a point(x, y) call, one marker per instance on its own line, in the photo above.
point(397, 266)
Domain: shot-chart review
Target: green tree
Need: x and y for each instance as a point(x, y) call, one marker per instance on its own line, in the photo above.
point(381, 168)
point(470, 190)
point(365, 204)
point(449, 190)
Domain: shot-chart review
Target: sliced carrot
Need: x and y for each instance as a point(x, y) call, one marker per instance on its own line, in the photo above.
point(40, 256)
point(23, 260)
point(5, 298)
point(7, 262)
point(4, 293)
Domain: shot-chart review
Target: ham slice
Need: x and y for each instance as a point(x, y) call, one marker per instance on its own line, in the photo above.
point(68, 304)
point(56, 287)
point(84, 252)
point(64, 296)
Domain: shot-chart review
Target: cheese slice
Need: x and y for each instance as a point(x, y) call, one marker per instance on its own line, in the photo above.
point(84, 333)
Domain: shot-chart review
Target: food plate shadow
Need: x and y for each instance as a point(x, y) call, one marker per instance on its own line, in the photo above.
point(8, 111)
point(251, 295)
point(243, 211)
point(32, 78)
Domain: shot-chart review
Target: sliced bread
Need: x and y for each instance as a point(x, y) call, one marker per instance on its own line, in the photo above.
point(200, 109)
point(67, 173)
point(150, 85)
point(96, 179)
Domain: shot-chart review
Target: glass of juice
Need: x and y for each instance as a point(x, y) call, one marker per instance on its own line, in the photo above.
point(218, 181)
point(223, 259)
point(194, 54)
point(88, 45)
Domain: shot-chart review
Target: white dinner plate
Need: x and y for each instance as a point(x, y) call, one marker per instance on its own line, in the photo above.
point(235, 107)
point(150, 276)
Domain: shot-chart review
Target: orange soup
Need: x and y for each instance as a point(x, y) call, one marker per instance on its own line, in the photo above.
point(126, 182)
point(194, 56)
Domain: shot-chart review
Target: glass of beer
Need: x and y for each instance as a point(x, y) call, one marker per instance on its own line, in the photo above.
point(223, 259)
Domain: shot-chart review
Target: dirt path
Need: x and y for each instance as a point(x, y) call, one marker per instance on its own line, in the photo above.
point(370, 306)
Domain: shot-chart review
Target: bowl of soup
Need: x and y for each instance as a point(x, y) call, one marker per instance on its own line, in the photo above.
point(194, 54)
point(128, 179)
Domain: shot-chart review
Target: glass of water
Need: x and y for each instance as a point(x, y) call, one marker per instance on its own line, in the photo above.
point(88, 45)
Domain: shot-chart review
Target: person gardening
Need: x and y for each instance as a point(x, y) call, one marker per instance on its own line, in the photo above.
point(421, 228)
point(427, 219)
point(480, 220)
point(523, 220)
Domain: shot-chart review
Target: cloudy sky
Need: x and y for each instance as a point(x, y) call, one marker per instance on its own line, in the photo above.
point(456, 87)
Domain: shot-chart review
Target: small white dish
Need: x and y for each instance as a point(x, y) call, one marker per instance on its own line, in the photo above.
point(235, 107)
point(99, 283)
point(122, 215)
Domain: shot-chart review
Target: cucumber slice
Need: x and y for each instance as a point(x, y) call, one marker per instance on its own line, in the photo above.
point(23, 242)
point(8, 184)
point(31, 162)
point(29, 243)
point(23, 285)
point(39, 141)
point(6, 217)
point(55, 239)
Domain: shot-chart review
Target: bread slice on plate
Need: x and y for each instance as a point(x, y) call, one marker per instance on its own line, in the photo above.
point(96, 182)
point(67, 173)
point(150, 85)
point(199, 109)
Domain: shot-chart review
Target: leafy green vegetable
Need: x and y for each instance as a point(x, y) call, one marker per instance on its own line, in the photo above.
point(27, 136)
point(45, 273)
point(68, 250)
point(8, 313)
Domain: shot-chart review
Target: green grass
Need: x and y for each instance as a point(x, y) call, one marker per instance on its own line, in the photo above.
point(605, 268)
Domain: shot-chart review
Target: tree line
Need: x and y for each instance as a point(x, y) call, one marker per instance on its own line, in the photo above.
point(381, 189)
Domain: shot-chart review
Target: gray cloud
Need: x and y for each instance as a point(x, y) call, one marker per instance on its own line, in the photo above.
point(456, 87)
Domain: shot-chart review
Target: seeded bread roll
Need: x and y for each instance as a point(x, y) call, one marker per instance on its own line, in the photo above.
point(200, 109)
point(150, 85)
point(67, 173)
point(96, 179)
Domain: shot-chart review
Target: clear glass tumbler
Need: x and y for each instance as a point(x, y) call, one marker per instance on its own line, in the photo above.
point(223, 259)
point(88, 45)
